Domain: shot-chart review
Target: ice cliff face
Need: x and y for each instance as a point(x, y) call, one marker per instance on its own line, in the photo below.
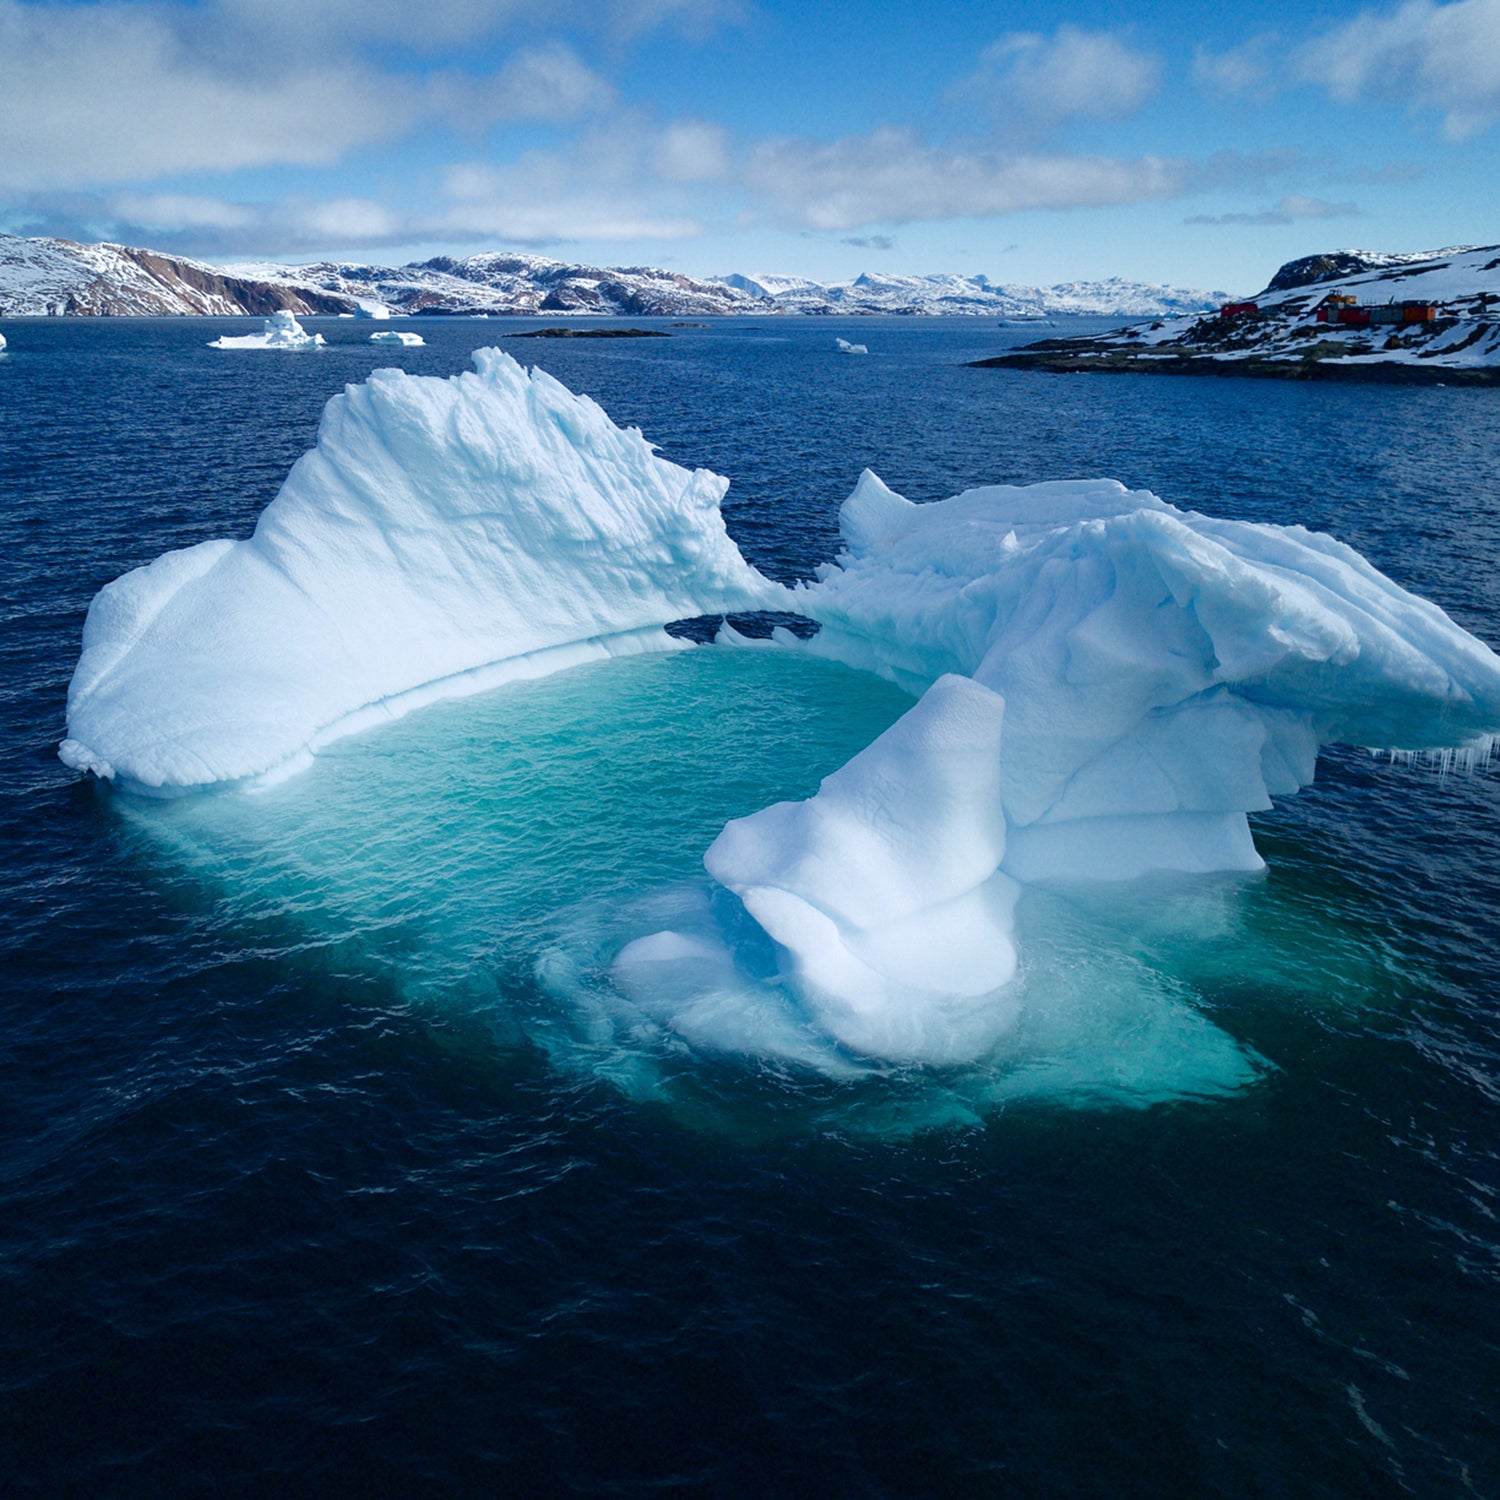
point(1106, 685)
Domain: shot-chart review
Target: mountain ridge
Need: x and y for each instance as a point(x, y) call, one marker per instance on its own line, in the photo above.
point(40, 277)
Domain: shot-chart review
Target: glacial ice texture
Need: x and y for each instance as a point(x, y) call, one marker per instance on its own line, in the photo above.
point(443, 534)
point(1109, 685)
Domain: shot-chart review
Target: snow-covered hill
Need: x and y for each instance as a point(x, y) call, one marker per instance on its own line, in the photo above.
point(1278, 332)
point(42, 276)
point(49, 276)
point(1115, 297)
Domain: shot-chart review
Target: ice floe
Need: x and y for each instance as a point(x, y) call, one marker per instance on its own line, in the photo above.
point(845, 347)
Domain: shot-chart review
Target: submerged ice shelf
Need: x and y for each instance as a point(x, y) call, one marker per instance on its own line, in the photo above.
point(1106, 685)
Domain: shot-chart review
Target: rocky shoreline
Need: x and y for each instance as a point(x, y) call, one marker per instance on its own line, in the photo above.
point(1064, 357)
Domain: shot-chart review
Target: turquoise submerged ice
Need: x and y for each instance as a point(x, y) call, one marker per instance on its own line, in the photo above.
point(1106, 687)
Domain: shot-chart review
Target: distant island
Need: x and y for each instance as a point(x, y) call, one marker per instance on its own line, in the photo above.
point(591, 333)
point(1347, 315)
point(52, 277)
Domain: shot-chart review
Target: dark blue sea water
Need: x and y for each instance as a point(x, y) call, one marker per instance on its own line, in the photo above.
point(317, 1179)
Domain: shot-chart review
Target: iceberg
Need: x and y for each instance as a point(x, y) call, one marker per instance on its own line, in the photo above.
point(282, 331)
point(1105, 685)
point(2, 343)
point(391, 336)
point(442, 535)
point(845, 347)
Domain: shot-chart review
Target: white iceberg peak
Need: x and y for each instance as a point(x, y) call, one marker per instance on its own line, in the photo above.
point(439, 527)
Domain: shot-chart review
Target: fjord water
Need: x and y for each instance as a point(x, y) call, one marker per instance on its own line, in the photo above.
point(331, 1164)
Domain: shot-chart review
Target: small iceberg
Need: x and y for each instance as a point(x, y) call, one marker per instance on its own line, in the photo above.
point(282, 331)
point(376, 310)
point(2, 343)
point(845, 347)
point(390, 336)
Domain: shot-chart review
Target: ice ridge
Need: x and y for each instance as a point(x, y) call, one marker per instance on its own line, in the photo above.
point(437, 528)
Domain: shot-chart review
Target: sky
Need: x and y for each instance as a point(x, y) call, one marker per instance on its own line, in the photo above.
point(1201, 146)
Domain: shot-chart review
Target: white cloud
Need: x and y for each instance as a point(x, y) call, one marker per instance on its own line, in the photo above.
point(1430, 56)
point(179, 211)
point(1246, 71)
point(121, 92)
point(1044, 80)
point(538, 83)
point(622, 181)
point(890, 176)
point(105, 93)
point(691, 151)
point(439, 25)
point(1289, 210)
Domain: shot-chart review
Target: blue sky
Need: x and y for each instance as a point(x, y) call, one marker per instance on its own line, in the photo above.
point(1201, 146)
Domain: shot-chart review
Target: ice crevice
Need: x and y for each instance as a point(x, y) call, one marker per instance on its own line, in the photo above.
point(1105, 685)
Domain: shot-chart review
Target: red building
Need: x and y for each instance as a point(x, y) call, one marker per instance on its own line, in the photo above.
point(1340, 307)
point(1238, 309)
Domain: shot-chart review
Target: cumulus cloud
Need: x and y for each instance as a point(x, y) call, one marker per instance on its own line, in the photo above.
point(1246, 71)
point(545, 83)
point(891, 176)
point(1030, 78)
point(621, 182)
point(691, 151)
point(1442, 57)
point(204, 225)
point(1291, 208)
point(123, 92)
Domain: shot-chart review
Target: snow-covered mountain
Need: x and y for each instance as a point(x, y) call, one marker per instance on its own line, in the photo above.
point(41, 276)
point(49, 276)
point(1450, 332)
point(931, 295)
point(504, 283)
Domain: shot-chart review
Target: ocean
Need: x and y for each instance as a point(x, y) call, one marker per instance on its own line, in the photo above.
point(328, 1167)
